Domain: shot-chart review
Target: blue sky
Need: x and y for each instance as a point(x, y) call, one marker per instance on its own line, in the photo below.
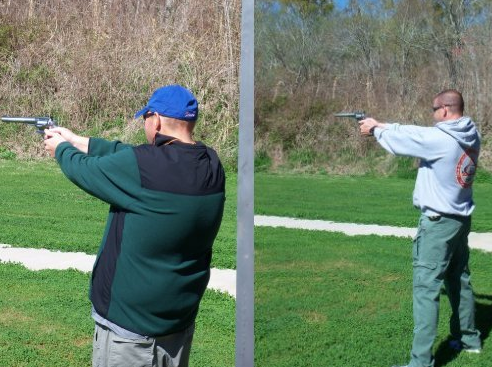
point(340, 4)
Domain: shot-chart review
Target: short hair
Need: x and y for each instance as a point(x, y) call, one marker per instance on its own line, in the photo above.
point(174, 123)
point(453, 99)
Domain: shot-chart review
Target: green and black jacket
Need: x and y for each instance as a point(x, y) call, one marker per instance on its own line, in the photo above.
point(166, 204)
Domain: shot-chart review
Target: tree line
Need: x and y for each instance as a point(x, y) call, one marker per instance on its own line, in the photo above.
point(386, 57)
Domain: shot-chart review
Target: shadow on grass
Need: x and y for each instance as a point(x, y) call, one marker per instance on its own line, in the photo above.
point(444, 353)
point(482, 317)
point(483, 322)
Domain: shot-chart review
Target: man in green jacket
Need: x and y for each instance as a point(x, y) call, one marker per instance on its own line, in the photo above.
point(166, 204)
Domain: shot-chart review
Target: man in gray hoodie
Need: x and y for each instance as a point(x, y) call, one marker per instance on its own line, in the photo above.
point(448, 153)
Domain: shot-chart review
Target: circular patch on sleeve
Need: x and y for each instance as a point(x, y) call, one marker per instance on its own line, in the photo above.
point(466, 168)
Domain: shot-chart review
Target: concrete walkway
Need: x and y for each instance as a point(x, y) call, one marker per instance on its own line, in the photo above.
point(223, 280)
point(480, 241)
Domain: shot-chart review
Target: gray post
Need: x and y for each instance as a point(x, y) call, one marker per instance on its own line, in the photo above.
point(245, 195)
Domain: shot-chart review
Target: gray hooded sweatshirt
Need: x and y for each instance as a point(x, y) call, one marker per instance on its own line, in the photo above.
point(448, 155)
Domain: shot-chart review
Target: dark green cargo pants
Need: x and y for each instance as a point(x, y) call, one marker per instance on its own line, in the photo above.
point(440, 256)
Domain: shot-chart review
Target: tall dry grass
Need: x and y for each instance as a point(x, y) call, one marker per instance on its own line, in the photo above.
point(92, 64)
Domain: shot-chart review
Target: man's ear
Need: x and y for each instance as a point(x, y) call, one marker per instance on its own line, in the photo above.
point(157, 123)
point(445, 112)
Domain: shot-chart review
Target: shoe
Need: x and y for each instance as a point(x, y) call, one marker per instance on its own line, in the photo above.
point(458, 346)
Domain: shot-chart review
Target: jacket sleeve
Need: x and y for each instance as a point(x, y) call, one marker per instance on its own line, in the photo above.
point(412, 141)
point(100, 147)
point(113, 178)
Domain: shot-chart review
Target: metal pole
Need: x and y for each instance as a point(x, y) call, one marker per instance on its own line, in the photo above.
point(245, 195)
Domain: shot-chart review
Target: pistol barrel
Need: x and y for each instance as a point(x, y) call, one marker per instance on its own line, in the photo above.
point(25, 120)
point(356, 115)
point(41, 123)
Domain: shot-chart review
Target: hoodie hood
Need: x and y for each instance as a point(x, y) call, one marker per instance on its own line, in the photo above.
point(462, 130)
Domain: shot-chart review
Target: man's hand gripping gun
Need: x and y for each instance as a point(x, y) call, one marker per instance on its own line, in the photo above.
point(359, 116)
point(41, 123)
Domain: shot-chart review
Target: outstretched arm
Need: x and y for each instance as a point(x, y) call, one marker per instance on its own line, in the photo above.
point(79, 142)
point(368, 125)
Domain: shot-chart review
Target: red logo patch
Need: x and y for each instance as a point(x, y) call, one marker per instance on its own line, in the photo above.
point(466, 168)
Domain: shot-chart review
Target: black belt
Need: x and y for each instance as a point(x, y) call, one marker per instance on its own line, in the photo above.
point(435, 218)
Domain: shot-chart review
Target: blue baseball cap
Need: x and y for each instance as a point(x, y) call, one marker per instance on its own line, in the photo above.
point(172, 101)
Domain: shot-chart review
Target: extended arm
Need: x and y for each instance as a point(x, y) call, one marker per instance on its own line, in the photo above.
point(368, 125)
point(53, 137)
point(405, 140)
point(79, 142)
point(113, 178)
point(92, 146)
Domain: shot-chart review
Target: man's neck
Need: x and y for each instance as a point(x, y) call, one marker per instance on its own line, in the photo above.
point(182, 136)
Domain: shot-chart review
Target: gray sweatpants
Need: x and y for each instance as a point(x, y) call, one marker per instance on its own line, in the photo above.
point(110, 350)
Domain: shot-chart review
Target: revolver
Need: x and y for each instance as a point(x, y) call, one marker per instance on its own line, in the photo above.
point(41, 123)
point(358, 115)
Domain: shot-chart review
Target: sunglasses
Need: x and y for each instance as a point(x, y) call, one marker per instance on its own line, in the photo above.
point(147, 115)
point(442, 106)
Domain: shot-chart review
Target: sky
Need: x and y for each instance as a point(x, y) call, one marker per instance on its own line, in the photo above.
point(340, 4)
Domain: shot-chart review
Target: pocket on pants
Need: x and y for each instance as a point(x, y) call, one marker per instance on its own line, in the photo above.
point(426, 273)
point(415, 248)
point(417, 240)
point(131, 352)
point(96, 349)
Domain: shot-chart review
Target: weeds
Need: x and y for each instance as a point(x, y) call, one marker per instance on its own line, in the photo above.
point(91, 65)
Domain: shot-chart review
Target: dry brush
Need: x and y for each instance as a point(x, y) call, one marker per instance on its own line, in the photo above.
point(92, 64)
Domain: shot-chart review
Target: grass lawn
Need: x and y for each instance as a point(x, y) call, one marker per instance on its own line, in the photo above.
point(43, 209)
point(45, 316)
point(369, 200)
point(326, 299)
point(45, 321)
point(321, 299)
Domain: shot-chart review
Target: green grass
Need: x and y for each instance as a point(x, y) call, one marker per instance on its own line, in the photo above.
point(45, 321)
point(369, 200)
point(45, 316)
point(321, 299)
point(42, 209)
point(326, 299)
